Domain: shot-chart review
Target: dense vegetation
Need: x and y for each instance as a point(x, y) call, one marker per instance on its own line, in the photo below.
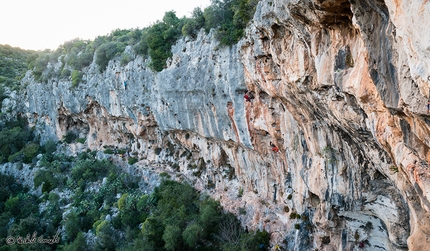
point(174, 217)
point(13, 65)
point(17, 142)
point(18, 213)
point(94, 205)
point(179, 218)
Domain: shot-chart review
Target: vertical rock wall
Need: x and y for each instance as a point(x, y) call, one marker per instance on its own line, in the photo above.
point(343, 72)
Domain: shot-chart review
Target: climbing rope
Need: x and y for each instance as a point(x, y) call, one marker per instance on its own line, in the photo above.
point(123, 78)
point(428, 97)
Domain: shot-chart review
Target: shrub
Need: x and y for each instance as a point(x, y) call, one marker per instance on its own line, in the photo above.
point(47, 179)
point(76, 78)
point(176, 167)
point(39, 65)
point(80, 140)
point(132, 160)
point(121, 202)
point(30, 151)
point(125, 59)
point(230, 18)
point(165, 175)
point(90, 169)
point(108, 151)
point(294, 215)
point(84, 60)
point(394, 169)
point(330, 154)
point(69, 137)
point(16, 157)
point(107, 52)
point(65, 73)
point(194, 24)
point(50, 147)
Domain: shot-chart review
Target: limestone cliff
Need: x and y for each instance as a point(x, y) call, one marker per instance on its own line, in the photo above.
point(340, 87)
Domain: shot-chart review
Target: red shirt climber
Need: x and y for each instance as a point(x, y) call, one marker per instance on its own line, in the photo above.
point(274, 148)
point(248, 96)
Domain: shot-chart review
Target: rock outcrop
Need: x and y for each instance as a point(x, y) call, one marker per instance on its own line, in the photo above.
point(340, 87)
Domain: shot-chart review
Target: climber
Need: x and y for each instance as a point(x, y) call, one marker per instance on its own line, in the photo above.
point(428, 100)
point(248, 96)
point(125, 85)
point(115, 151)
point(274, 147)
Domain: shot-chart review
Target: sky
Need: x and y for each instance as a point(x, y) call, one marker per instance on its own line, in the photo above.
point(46, 24)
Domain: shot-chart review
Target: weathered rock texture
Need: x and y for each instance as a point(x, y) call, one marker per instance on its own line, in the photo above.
point(340, 87)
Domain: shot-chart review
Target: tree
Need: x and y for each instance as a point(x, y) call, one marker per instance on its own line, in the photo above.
point(172, 237)
point(50, 147)
point(30, 151)
point(107, 52)
point(72, 227)
point(170, 19)
point(84, 60)
point(159, 48)
point(230, 231)
point(2, 95)
point(198, 15)
point(152, 230)
point(191, 234)
point(12, 140)
point(105, 237)
point(79, 244)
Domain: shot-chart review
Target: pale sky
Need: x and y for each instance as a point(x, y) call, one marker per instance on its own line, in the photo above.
point(46, 24)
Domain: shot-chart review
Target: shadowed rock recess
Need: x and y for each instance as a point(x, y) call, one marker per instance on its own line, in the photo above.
point(340, 88)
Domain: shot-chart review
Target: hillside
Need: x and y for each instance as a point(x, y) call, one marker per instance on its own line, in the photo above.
point(13, 65)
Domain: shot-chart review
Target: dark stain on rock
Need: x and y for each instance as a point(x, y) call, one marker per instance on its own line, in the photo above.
point(377, 31)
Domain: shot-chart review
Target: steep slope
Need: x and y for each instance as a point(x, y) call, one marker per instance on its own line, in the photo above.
point(340, 87)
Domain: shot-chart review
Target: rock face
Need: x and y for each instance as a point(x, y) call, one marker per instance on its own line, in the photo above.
point(340, 88)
